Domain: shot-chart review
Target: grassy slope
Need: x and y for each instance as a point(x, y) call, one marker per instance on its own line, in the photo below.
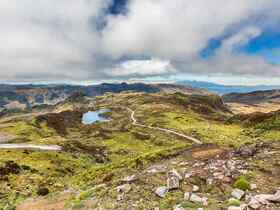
point(79, 170)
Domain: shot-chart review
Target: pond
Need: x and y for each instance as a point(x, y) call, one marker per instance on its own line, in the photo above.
point(94, 116)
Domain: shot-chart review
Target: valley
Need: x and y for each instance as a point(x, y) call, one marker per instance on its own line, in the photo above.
point(125, 162)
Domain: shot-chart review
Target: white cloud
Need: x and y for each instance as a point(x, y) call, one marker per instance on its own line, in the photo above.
point(48, 38)
point(140, 68)
point(176, 29)
point(58, 39)
point(228, 62)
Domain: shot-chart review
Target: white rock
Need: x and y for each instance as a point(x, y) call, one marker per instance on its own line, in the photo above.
point(263, 199)
point(131, 178)
point(188, 175)
point(195, 198)
point(161, 191)
point(269, 197)
point(200, 209)
point(156, 169)
point(195, 188)
point(237, 193)
point(187, 196)
point(254, 203)
point(253, 186)
point(243, 171)
point(184, 163)
point(242, 207)
point(120, 197)
point(124, 188)
point(173, 182)
point(175, 173)
point(210, 181)
point(178, 207)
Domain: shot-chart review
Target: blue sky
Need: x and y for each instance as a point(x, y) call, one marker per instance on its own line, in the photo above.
point(117, 7)
point(113, 40)
point(266, 45)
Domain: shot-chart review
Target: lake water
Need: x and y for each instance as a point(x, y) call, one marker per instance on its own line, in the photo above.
point(94, 116)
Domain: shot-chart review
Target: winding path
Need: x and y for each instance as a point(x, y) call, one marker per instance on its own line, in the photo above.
point(31, 147)
point(58, 148)
point(134, 122)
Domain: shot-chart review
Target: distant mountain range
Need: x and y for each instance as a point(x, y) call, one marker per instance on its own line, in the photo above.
point(225, 89)
point(256, 97)
point(26, 96)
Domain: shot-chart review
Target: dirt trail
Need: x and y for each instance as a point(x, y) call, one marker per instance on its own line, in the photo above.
point(134, 122)
point(31, 147)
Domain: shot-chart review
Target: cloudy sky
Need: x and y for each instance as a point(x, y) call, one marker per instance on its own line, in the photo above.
point(232, 42)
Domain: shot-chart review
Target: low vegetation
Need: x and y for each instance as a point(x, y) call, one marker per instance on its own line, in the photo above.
point(102, 152)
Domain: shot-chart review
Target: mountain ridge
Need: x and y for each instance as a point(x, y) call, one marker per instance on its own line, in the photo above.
point(29, 95)
point(225, 89)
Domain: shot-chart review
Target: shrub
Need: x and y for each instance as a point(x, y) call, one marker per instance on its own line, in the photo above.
point(242, 183)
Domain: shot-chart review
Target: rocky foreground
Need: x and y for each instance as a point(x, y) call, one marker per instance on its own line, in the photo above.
point(205, 177)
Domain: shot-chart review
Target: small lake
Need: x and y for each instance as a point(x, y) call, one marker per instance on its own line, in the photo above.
point(95, 116)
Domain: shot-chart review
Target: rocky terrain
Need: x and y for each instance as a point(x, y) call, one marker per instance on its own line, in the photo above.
point(159, 150)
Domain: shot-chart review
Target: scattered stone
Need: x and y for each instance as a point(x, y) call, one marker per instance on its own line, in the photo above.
point(227, 179)
point(43, 191)
point(210, 181)
point(161, 191)
point(187, 196)
point(188, 175)
point(253, 186)
point(175, 173)
point(156, 169)
point(247, 151)
point(131, 178)
point(125, 188)
point(120, 197)
point(178, 207)
point(242, 207)
point(173, 182)
point(184, 163)
point(243, 171)
point(218, 175)
point(237, 193)
point(195, 188)
point(254, 203)
point(195, 198)
point(263, 199)
point(230, 165)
